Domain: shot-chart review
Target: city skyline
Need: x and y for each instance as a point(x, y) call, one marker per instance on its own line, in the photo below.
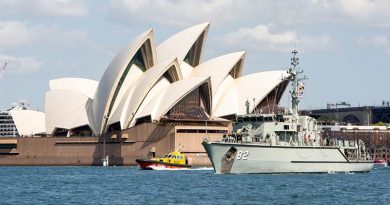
point(344, 47)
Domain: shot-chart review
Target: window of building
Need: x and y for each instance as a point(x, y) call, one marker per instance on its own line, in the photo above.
point(8, 146)
point(199, 131)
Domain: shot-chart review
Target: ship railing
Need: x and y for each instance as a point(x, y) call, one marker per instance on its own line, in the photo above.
point(354, 154)
point(229, 139)
point(232, 137)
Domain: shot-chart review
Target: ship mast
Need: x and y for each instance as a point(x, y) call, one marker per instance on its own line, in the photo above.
point(297, 89)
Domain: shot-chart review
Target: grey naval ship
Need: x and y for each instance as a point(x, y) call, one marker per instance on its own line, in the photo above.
point(285, 143)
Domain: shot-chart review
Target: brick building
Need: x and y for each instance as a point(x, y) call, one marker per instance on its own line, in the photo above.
point(376, 138)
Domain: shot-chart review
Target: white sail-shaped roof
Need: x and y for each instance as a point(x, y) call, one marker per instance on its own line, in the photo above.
point(146, 83)
point(29, 122)
point(65, 109)
point(219, 68)
point(110, 84)
point(189, 42)
point(157, 89)
point(144, 80)
point(81, 85)
point(163, 102)
point(139, 91)
point(186, 69)
point(255, 86)
point(129, 84)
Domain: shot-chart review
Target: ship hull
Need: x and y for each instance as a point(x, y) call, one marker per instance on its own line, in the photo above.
point(240, 158)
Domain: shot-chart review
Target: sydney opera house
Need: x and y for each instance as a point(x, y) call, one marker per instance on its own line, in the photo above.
point(151, 99)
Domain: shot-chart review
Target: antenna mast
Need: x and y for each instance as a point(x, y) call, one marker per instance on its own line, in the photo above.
point(297, 87)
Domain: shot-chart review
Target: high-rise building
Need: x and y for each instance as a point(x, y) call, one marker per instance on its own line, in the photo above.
point(7, 125)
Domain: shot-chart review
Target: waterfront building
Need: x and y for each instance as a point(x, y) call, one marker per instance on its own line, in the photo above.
point(342, 121)
point(149, 83)
point(376, 138)
point(152, 99)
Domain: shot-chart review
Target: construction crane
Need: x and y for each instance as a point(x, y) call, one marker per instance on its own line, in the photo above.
point(2, 71)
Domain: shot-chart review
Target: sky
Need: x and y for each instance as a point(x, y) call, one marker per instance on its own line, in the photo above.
point(344, 45)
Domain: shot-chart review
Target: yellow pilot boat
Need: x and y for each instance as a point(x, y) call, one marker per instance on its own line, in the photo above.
point(174, 160)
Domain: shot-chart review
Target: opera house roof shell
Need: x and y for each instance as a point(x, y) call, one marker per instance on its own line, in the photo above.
point(146, 81)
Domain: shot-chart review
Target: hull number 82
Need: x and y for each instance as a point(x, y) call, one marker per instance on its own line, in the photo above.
point(242, 155)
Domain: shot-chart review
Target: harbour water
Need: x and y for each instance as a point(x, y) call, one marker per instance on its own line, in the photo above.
point(129, 185)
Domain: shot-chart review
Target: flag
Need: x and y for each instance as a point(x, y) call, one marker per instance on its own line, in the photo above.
point(301, 88)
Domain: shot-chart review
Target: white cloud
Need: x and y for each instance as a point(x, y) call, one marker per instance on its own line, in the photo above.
point(368, 12)
point(19, 65)
point(173, 13)
point(269, 37)
point(322, 42)
point(14, 33)
point(55, 35)
point(44, 7)
point(376, 41)
point(260, 37)
point(179, 13)
point(17, 33)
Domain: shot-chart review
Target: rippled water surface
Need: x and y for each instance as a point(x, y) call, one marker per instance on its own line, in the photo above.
point(129, 185)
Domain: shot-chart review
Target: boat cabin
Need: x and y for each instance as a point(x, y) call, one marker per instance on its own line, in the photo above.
point(174, 157)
